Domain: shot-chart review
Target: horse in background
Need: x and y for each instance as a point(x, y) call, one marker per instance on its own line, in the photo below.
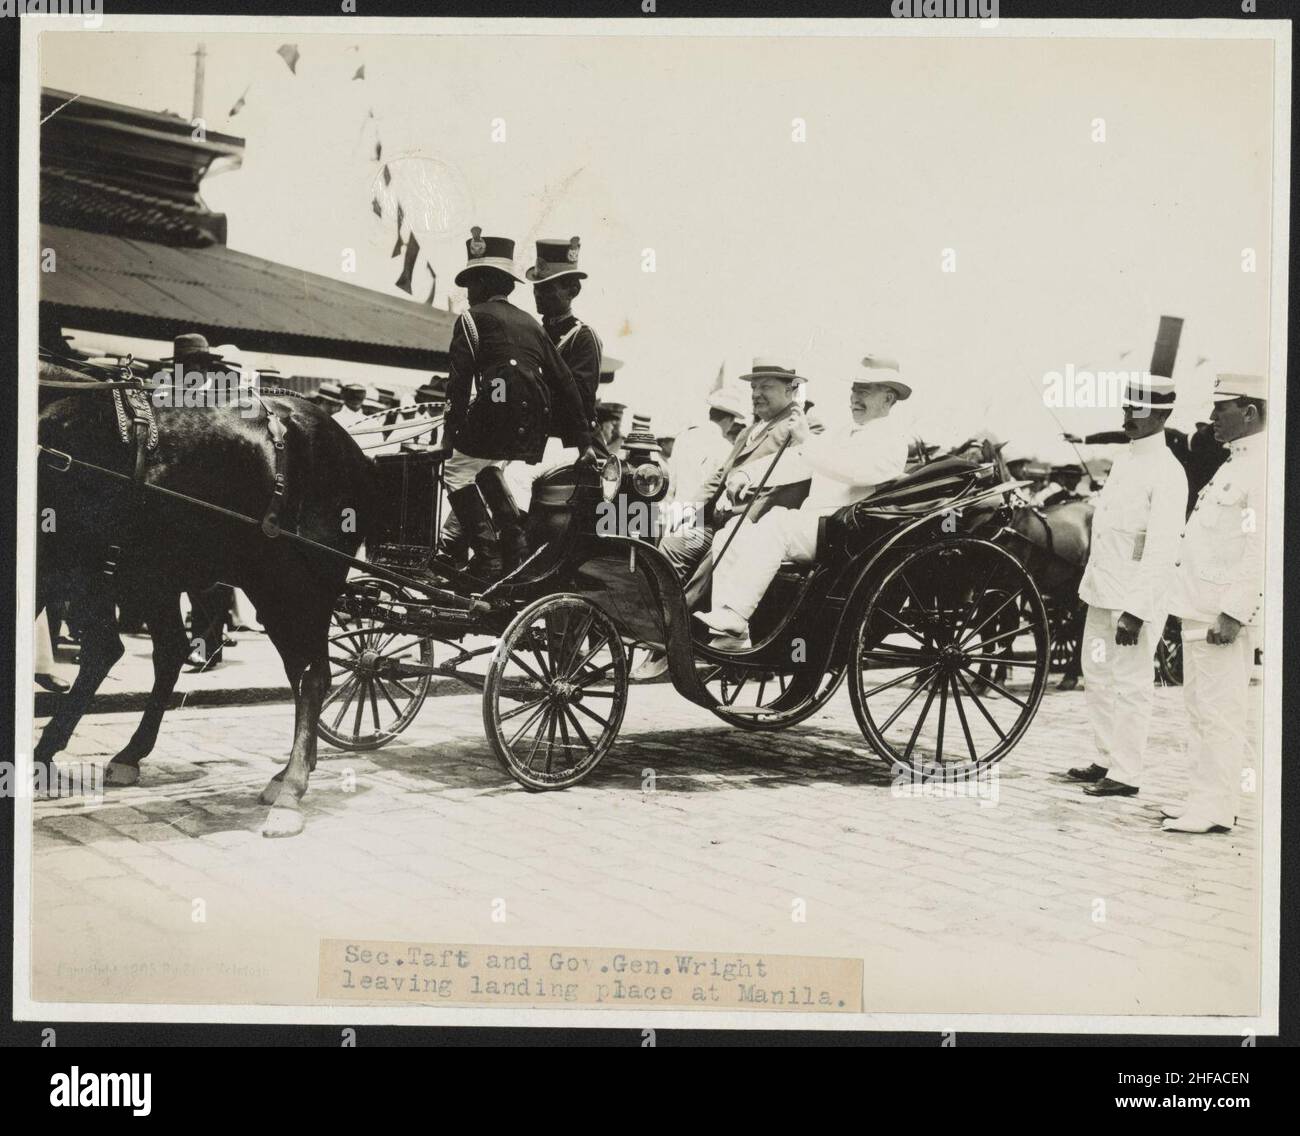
point(104, 541)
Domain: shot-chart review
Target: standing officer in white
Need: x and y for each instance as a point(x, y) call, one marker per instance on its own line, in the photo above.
point(1135, 533)
point(1218, 593)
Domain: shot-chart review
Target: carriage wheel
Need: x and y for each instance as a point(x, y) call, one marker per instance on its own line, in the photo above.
point(378, 676)
point(768, 700)
point(555, 692)
point(1169, 654)
point(933, 625)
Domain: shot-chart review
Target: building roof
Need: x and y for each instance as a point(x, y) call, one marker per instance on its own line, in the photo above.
point(130, 287)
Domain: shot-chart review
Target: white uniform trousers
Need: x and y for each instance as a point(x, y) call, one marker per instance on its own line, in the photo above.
point(742, 576)
point(1216, 685)
point(1118, 688)
point(521, 475)
point(459, 470)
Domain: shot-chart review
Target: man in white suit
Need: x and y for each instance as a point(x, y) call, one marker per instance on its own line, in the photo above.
point(1218, 592)
point(844, 464)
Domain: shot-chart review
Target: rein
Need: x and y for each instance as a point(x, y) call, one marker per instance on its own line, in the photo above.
point(61, 462)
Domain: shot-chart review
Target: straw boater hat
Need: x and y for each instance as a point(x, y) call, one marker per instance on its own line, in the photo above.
point(1149, 392)
point(765, 368)
point(878, 368)
point(1228, 387)
point(488, 252)
point(555, 258)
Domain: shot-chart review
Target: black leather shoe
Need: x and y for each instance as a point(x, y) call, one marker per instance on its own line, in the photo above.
point(1069, 682)
point(1108, 788)
point(1093, 772)
point(52, 684)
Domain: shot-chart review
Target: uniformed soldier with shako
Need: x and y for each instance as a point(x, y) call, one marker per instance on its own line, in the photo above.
point(556, 281)
point(508, 391)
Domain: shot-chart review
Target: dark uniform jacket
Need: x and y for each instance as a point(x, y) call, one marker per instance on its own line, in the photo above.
point(505, 401)
point(580, 348)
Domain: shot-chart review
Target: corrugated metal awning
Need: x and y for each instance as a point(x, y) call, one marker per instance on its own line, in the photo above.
point(129, 287)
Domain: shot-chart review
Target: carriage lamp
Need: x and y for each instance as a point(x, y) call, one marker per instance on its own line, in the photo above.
point(649, 474)
point(611, 477)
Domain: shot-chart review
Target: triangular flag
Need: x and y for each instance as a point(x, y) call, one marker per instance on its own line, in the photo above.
point(408, 265)
point(433, 284)
point(289, 53)
point(361, 72)
point(379, 150)
point(388, 177)
point(401, 216)
point(397, 247)
point(239, 103)
point(376, 207)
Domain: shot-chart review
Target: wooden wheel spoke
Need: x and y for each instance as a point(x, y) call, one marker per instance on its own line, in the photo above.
point(1002, 661)
point(906, 703)
point(925, 710)
point(384, 691)
point(604, 724)
point(537, 741)
point(961, 714)
point(336, 694)
point(522, 709)
point(979, 705)
point(566, 668)
point(550, 738)
point(906, 627)
point(577, 726)
point(374, 704)
point(594, 676)
point(988, 618)
point(1015, 631)
point(361, 705)
point(541, 708)
point(591, 654)
point(976, 596)
point(1000, 689)
point(896, 681)
point(523, 666)
point(943, 711)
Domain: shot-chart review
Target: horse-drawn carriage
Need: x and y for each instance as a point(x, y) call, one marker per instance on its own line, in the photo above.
point(912, 597)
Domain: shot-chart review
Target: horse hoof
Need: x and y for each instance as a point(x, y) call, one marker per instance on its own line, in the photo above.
point(119, 776)
point(281, 821)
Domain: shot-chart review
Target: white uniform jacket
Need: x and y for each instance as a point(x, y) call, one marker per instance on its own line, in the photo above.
point(1220, 561)
point(845, 463)
point(1135, 531)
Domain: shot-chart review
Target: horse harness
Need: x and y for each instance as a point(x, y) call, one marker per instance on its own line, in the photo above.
point(137, 426)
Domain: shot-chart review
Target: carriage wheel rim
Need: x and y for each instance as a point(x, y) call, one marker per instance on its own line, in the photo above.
point(945, 674)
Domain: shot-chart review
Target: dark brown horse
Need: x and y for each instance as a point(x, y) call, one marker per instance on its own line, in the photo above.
point(156, 546)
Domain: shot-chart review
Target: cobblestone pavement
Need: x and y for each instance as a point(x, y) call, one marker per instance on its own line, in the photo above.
point(1042, 900)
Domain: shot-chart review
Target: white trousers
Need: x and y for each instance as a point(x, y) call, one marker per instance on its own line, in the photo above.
point(1216, 686)
point(459, 470)
point(1119, 685)
point(521, 475)
point(742, 576)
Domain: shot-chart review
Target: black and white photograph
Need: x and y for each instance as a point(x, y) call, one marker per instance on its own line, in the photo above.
point(748, 524)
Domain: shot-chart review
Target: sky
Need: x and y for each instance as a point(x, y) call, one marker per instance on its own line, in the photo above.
point(1067, 250)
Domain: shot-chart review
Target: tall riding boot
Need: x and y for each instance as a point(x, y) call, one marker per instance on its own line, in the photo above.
point(471, 512)
point(506, 514)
